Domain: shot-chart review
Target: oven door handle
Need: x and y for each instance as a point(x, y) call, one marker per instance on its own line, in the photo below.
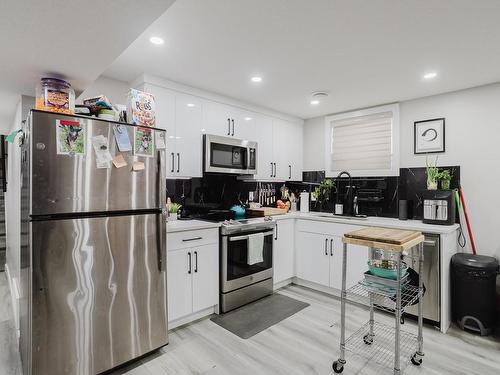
point(241, 238)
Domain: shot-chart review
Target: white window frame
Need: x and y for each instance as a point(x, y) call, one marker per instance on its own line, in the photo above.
point(330, 170)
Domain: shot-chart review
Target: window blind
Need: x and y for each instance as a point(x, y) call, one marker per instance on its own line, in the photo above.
point(363, 142)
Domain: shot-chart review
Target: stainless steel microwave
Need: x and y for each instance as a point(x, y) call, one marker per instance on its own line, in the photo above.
point(229, 155)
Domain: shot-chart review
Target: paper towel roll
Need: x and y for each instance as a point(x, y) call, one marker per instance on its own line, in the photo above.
point(304, 201)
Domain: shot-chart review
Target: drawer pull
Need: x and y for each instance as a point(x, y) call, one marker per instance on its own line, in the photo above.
point(191, 239)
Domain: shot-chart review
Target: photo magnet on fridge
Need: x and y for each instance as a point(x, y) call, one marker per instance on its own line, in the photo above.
point(70, 137)
point(122, 138)
point(143, 142)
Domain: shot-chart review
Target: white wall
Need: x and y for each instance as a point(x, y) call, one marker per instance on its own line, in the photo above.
point(473, 142)
point(314, 135)
point(115, 90)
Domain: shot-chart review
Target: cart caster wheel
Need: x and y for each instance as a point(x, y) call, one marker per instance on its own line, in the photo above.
point(416, 359)
point(368, 339)
point(337, 367)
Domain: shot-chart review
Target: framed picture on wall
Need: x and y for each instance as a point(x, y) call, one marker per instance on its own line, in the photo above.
point(429, 136)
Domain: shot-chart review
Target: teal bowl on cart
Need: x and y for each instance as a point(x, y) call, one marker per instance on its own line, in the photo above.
point(387, 273)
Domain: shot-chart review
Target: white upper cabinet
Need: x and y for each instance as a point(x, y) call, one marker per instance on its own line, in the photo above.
point(188, 136)
point(228, 121)
point(264, 138)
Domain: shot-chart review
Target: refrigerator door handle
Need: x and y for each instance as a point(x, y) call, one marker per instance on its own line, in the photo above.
point(162, 218)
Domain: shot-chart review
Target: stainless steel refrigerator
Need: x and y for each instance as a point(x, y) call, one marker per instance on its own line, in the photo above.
point(93, 252)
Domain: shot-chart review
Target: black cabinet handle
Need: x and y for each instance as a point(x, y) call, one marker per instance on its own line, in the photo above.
point(233, 126)
point(191, 239)
point(331, 247)
point(173, 162)
point(189, 265)
point(195, 261)
point(228, 126)
point(289, 172)
point(178, 162)
point(326, 246)
point(272, 170)
point(275, 169)
point(276, 232)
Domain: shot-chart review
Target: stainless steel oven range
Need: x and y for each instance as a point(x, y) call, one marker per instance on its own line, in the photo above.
point(246, 261)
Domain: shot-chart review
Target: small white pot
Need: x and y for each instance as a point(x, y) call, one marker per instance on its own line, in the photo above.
point(432, 185)
point(172, 217)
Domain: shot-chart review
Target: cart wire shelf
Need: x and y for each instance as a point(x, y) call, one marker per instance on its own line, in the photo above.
point(383, 299)
point(381, 350)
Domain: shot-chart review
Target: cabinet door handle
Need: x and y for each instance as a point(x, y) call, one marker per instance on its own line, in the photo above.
point(276, 232)
point(326, 246)
point(289, 172)
point(178, 162)
point(173, 162)
point(191, 239)
point(275, 169)
point(331, 247)
point(272, 169)
point(189, 262)
point(233, 126)
point(228, 126)
point(195, 261)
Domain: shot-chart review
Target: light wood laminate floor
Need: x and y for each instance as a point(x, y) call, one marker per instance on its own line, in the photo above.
point(305, 343)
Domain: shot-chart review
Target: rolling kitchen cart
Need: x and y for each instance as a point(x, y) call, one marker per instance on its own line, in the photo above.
point(379, 342)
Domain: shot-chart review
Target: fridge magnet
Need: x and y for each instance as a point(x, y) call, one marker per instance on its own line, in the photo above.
point(70, 137)
point(119, 161)
point(122, 138)
point(138, 166)
point(161, 144)
point(101, 149)
point(143, 142)
point(429, 136)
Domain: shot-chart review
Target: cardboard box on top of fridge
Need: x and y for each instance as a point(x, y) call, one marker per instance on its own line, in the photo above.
point(141, 108)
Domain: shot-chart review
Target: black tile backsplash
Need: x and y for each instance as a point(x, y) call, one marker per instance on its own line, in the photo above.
point(377, 196)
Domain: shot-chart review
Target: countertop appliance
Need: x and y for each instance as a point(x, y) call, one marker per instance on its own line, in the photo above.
point(93, 253)
point(229, 155)
point(240, 281)
point(439, 207)
point(431, 278)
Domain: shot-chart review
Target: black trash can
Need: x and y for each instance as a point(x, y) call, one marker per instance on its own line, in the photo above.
point(473, 284)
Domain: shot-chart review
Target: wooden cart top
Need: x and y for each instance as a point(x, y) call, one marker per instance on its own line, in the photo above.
point(384, 238)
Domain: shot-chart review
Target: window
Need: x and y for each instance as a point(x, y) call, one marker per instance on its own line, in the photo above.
point(364, 143)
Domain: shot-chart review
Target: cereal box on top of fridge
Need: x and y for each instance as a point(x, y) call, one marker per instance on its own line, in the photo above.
point(142, 108)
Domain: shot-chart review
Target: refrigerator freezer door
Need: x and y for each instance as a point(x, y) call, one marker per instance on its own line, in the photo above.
point(72, 183)
point(99, 292)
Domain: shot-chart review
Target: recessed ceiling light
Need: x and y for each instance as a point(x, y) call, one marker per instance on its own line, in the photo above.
point(190, 105)
point(156, 40)
point(314, 102)
point(256, 79)
point(248, 119)
point(430, 75)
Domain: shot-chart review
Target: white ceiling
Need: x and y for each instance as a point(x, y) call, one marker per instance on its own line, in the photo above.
point(363, 52)
point(71, 39)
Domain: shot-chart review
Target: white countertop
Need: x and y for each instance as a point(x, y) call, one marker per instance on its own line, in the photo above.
point(371, 221)
point(183, 225)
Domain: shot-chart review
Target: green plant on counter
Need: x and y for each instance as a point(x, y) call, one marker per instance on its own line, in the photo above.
point(174, 208)
point(323, 191)
point(445, 178)
point(432, 175)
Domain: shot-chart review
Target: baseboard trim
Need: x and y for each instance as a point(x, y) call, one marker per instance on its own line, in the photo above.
point(192, 317)
point(283, 283)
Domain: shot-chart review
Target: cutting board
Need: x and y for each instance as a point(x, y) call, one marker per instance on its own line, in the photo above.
point(387, 235)
point(266, 211)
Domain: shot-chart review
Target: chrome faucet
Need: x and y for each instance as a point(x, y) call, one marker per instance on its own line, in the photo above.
point(348, 210)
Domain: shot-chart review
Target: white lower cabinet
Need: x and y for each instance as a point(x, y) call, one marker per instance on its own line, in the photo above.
point(284, 251)
point(193, 280)
point(319, 260)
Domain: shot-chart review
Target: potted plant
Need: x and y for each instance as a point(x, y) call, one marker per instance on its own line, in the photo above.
point(323, 191)
point(445, 179)
point(432, 175)
point(173, 210)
